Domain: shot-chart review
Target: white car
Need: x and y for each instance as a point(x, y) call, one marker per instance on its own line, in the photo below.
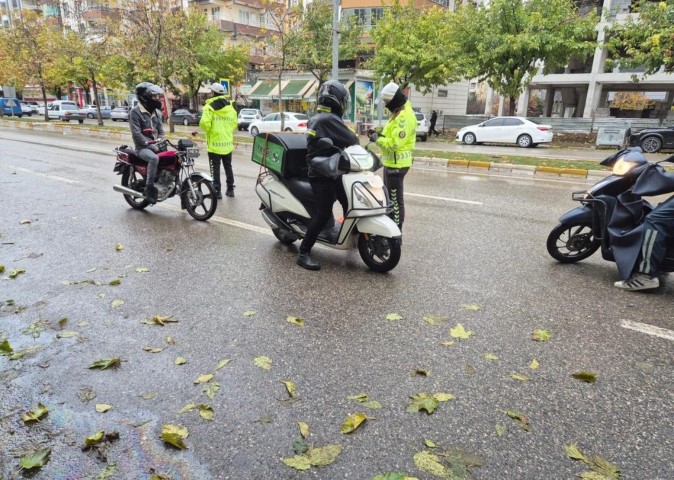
point(26, 109)
point(246, 116)
point(423, 125)
point(516, 130)
point(293, 122)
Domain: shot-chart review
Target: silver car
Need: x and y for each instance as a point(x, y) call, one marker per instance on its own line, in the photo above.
point(120, 114)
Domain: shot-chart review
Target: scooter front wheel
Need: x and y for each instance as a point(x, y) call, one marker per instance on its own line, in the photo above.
point(381, 254)
point(572, 242)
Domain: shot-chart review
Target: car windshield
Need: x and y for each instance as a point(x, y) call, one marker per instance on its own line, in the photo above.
point(420, 116)
point(248, 112)
point(68, 106)
point(301, 116)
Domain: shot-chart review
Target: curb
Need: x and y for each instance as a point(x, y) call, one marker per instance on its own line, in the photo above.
point(454, 164)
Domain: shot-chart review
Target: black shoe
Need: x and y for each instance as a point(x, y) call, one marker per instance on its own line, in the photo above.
point(304, 260)
point(230, 191)
point(151, 193)
point(219, 195)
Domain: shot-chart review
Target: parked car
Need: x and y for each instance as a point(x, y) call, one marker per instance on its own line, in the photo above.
point(248, 115)
point(293, 122)
point(35, 107)
point(423, 126)
point(25, 108)
point(653, 140)
point(65, 110)
point(185, 116)
point(90, 111)
point(516, 130)
point(120, 114)
point(41, 108)
point(11, 106)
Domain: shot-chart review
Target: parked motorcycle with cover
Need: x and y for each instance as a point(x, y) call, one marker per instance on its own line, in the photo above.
point(287, 199)
point(175, 176)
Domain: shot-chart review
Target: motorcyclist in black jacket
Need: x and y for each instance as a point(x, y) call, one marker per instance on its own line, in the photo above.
point(147, 115)
point(333, 101)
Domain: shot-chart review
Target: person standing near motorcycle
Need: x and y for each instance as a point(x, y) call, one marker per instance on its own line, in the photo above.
point(397, 141)
point(219, 121)
point(147, 115)
point(333, 101)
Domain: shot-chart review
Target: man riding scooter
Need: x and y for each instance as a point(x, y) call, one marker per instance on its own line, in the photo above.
point(333, 101)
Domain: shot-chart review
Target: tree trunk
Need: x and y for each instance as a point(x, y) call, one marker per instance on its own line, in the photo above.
point(511, 106)
point(44, 100)
point(280, 98)
point(96, 102)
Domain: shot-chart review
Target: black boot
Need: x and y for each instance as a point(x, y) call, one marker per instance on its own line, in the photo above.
point(219, 195)
point(304, 260)
point(151, 194)
point(230, 191)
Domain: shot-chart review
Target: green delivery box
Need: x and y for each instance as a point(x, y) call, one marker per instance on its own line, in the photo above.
point(283, 153)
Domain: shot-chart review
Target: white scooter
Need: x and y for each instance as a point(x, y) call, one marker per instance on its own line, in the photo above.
point(287, 199)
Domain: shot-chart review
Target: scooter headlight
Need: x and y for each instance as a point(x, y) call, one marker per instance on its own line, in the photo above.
point(621, 167)
point(369, 196)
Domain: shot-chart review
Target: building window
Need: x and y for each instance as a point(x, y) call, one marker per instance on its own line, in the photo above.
point(215, 14)
point(442, 93)
point(244, 17)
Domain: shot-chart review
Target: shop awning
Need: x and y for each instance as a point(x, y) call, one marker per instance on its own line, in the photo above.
point(294, 89)
point(310, 93)
point(264, 90)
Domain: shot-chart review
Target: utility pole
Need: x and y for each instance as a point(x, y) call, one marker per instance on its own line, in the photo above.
point(335, 39)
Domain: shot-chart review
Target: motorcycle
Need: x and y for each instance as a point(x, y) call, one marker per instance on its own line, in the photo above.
point(175, 176)
point(287, 199)
point(603, 221)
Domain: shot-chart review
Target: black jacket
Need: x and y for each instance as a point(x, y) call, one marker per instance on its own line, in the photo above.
point(328, 125)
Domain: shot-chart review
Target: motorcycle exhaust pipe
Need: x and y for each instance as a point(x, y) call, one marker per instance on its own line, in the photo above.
point(127, 191)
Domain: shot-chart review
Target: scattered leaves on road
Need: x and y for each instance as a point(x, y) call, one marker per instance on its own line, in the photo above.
point(460, 332)
point(521, 420)
point(148, 395)
point(472, 307)
point(16, 272)
point(314, 457)
point(210, 389)
point(519, 377)
point(159, 320)
point(115, 282)
point(180, 361)
point(490, 356)
point(174, 435)
point(295, 321)
point(420, 372)
point(365, 401)
point(67, 334)
point(393, 316)
point(108, 472)
point(205, 411)
point(291, 388)
point(427, 402)
point(500, 429)
point(304, 429)
point(142, 269)
point(105, 363)
point(263, 362)
point(541, 335)
point(119, 247)
point(118, 302)
point(36, 414)
point(534, 364)
point(587, 377)
point(352, 422)
point(393, 476)
point(249, 313)
point(103, 407)
point(222, 363)
point(5, 348)
point(153, 350)
point(601, 469)
point(36, 459)
point(207, 377)
point(435, 320)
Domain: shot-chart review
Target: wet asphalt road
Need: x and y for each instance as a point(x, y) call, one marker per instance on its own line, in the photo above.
point(469, 240)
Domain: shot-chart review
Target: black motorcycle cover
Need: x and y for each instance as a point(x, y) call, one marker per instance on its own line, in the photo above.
point(626, 227)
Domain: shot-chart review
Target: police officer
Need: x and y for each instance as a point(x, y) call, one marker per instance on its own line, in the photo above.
point(333, 101)
point(397, 141)
point(219, 121)
point(147, 115)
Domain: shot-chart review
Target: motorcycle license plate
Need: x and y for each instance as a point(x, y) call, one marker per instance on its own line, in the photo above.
point(192, 152)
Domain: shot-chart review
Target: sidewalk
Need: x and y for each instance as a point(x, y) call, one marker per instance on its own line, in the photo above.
point(492, 168)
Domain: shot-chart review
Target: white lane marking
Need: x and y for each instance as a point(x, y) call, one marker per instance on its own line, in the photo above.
point(446, 199)
point(226, 221)
point(46, 175)
point(648, 329)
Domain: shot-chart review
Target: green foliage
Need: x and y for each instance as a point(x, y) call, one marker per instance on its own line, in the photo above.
point(646, 40)
point(506, 43)
point(416, 48)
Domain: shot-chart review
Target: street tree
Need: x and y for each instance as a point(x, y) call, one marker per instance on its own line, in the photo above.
point(314, 52)
point(285, 37)
point(416, 47)
point(201, 54)
point(507, 42)
point(32, 47)
point(646, 40)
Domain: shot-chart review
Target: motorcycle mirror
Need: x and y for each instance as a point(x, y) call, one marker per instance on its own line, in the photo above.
point(325, 143)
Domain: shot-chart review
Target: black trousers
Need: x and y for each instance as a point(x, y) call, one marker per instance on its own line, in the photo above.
point(393, 180)
point(326, 190)
point(659, 231)
point(214, 160)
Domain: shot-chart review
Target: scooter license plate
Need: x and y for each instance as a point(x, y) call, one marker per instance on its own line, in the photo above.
point(192, 152)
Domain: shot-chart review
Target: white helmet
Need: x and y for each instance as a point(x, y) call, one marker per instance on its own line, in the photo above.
point(217, 88)
point(392, 96)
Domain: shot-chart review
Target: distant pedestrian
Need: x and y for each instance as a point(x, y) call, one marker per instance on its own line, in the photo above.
point(218, 121)
point(434, 119)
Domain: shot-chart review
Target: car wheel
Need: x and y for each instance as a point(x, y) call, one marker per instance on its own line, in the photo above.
point(90, 115)
point(288, 129)
point(469, 138)
point(186, 122)
point(254, 131)
point(80, 121)
point(651, 144)
point(114, 119)
point(524, 141)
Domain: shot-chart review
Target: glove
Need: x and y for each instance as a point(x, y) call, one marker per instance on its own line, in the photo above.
point(373, 137)
point(153, 147)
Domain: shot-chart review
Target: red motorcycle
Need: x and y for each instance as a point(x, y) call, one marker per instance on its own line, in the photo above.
point(175, 176)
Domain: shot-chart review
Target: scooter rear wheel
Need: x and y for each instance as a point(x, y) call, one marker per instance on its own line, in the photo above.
point(572, 242)
point(381, 254)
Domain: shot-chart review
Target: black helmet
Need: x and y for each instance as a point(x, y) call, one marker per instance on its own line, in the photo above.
point(334, 95)
point(145, 91)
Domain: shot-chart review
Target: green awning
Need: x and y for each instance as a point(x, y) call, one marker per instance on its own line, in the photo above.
point(294, 89)
point(264, 90)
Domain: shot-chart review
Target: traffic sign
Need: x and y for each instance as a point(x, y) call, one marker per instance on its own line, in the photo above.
point(225, 83)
